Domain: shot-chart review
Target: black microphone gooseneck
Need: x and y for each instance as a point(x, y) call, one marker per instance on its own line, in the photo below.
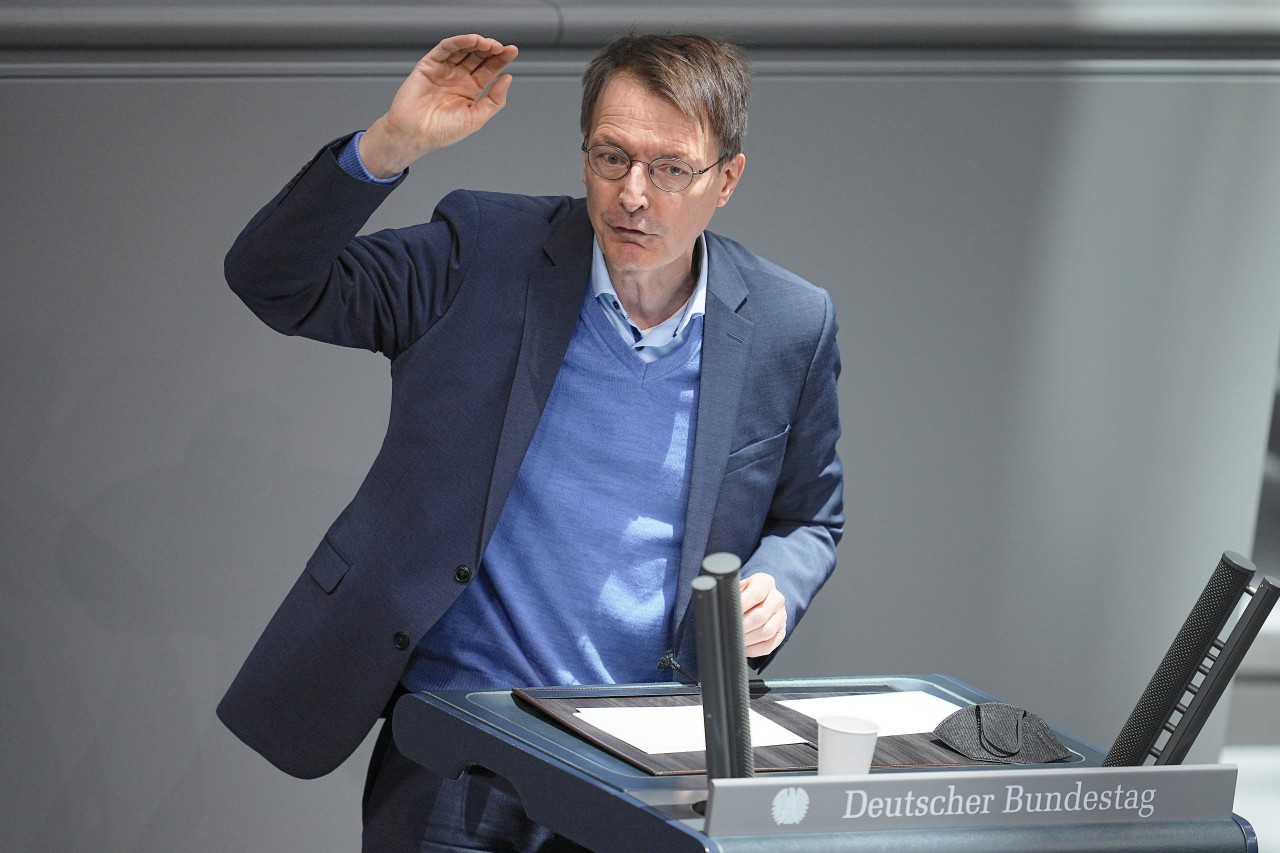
point(722, 667)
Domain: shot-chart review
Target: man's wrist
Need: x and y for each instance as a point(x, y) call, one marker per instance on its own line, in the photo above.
point(353, 164)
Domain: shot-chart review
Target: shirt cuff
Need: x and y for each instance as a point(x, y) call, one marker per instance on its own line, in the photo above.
point(349, 160)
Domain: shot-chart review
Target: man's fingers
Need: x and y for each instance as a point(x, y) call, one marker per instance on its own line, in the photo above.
point(767, 637)
point(455, 49)
point(755, 589)
point(488, 63)
point(469, 53)
point(767, 624)
point(764, 614)
point(487, 71)
point(498, 92)
point(755, 618)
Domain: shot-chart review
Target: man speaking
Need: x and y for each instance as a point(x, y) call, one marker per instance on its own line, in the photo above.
point(588, 396)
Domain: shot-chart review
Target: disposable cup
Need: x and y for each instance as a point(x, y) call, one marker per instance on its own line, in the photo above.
point(845, 745)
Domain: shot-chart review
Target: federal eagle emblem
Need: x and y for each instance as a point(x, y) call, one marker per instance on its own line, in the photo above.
point(790, 805)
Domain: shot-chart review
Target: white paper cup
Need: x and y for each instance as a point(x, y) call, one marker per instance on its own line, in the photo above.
point(845, 745)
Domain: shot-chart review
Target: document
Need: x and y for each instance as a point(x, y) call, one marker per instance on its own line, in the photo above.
point(660, 730)
point(897, 713)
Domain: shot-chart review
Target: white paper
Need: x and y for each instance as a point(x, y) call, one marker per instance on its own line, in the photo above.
point(896, 713)
point(661, 730)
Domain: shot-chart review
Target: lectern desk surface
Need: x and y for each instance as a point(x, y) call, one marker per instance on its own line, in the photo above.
point(597, 799)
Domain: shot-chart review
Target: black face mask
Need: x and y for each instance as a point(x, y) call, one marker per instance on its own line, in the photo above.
point(1001, 734)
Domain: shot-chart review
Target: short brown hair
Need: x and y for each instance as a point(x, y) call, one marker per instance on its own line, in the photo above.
point(707, 80)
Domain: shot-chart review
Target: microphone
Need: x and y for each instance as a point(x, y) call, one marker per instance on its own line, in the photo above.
point(722, 665)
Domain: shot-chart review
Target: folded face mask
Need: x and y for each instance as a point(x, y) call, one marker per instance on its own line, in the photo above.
point(1002, 734)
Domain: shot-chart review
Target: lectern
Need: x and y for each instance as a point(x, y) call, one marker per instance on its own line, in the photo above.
point(605, 803)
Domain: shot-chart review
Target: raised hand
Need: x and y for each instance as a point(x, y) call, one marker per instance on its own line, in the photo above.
point(439, 103)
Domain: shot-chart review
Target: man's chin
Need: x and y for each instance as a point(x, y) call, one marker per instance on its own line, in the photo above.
point(629, 257)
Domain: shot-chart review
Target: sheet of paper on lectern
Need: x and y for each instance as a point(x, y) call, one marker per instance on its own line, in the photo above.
point(660, 730)
point(897, 713)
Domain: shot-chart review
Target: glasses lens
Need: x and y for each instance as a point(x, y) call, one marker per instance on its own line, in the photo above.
point(671, 175)
point(667, 173)
point(608, 162)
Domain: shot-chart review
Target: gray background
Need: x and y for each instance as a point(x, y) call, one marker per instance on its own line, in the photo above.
point(1051, 245)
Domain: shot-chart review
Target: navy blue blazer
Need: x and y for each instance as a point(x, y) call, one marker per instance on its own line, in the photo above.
point(475, 310)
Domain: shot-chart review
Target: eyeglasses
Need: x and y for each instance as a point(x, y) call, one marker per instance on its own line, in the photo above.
point(669, 174)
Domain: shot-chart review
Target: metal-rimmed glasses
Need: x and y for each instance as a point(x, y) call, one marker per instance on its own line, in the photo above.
point(669, 174)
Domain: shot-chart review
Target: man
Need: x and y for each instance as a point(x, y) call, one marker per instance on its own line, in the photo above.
point(587, 398)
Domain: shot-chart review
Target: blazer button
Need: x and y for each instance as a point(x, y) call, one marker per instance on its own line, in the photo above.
point(462, 574)
point(401, 639)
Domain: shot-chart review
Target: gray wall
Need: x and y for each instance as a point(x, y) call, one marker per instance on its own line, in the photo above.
point(1059, 321)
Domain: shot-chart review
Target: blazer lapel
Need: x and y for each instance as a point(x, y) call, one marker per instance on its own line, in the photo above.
point(726, 345)
point(553, 302)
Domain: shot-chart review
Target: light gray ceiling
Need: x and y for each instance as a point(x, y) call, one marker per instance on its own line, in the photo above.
point(924, 24)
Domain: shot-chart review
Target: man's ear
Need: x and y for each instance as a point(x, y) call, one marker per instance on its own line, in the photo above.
point(730, 173)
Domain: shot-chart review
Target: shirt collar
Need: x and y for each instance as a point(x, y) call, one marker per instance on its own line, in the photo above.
point(671, 329)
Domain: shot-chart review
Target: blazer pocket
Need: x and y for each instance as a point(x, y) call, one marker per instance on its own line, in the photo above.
point(327, 567)
point(758, 450)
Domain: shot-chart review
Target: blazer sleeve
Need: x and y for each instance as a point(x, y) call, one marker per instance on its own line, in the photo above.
point(299, 266)
point(806, 516)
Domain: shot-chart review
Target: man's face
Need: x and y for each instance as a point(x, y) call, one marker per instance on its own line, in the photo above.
point(645, 234)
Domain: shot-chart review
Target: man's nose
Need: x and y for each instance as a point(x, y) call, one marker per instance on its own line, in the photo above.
point(635, 186)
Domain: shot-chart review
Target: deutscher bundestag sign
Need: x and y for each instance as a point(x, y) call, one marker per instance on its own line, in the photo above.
point(776, 805)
